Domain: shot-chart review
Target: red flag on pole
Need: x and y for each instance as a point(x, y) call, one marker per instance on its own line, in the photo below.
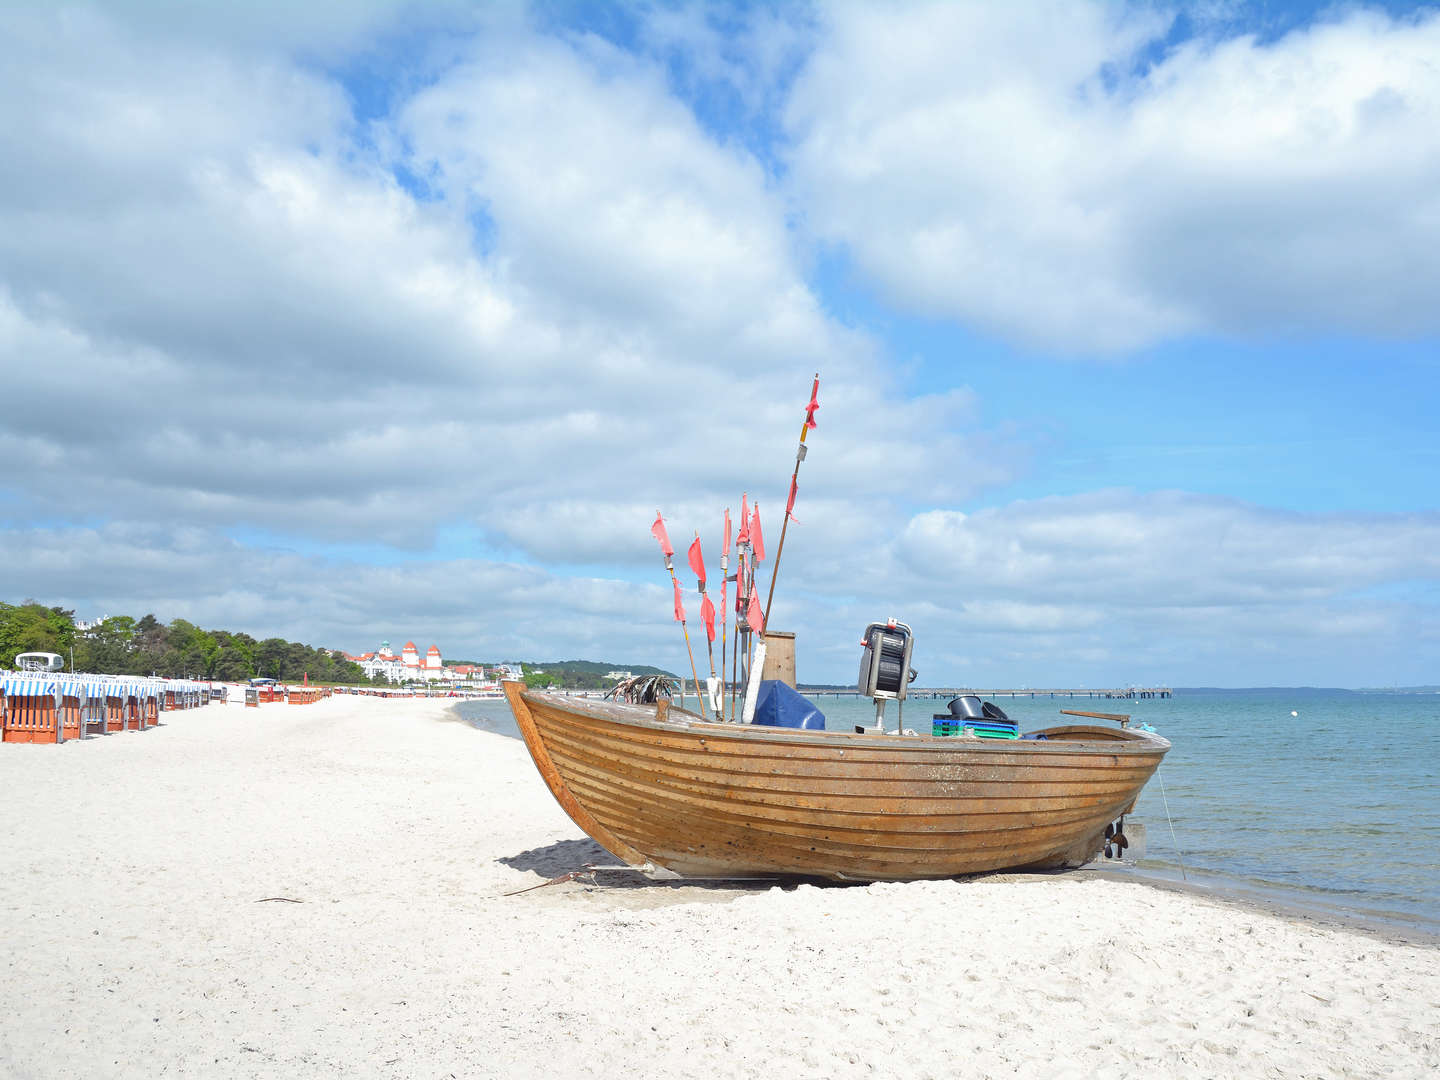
point(756, 614)
point(743, 536)
point(707, 613)
point(679, 607)
point(757, 538)
point(814, 403)
point(790, 502)
point(658, 531)
point(697, 563)
point(725, 551)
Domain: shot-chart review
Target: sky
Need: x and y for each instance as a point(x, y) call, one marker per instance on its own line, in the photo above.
point(372, 321)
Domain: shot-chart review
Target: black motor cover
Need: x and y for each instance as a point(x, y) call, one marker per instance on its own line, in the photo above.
point(966, 707)
point(970, 707)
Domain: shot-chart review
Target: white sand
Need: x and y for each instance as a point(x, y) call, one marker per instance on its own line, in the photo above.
point(132, 943)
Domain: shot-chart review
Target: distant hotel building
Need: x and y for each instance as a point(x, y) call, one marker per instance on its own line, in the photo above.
point(407, 667)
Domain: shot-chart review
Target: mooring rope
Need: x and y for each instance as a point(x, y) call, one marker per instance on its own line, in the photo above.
point(1171, 820)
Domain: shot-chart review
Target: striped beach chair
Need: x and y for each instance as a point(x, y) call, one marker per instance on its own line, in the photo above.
point(32, 709)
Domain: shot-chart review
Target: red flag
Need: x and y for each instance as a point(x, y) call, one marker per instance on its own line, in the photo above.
point(757, 614)
point(725, 551)
point(724, 611)
point(679, 607)
point(790, 502)
point(658, 531)
point(707, 613)
point(814, 403)
point(740, 586)
point(697, 563)
point(743, 536)
point(757, 538)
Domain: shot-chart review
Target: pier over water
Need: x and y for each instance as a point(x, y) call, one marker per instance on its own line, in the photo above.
point(1129, 693)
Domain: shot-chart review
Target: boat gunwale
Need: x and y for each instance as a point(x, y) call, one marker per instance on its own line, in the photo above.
point(1109, 741)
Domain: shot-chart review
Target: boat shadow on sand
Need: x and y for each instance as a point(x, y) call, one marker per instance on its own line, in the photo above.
point(569, 856)
point(555, 861)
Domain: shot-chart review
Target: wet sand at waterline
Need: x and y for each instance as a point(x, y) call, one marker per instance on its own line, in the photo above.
point(318, 891)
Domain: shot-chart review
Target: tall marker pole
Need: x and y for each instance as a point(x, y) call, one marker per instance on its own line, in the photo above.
point(724, 609)
point(742, 628)
point(707, 617)
point(790, 502)
point(755, 619)
point(658, 531)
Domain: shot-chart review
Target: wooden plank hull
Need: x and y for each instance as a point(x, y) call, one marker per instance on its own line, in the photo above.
point(728, 800)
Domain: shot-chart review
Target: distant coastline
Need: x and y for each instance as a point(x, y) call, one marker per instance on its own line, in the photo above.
point(1306, 691)
point(1251, 691)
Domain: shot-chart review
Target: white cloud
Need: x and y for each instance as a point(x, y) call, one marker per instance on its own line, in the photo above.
point(1168, 548)
point(314, 350)
point(1006, 168)
point(221, 314)
point(1109, 588)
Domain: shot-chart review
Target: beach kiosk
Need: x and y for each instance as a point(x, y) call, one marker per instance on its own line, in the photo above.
point(39, 662)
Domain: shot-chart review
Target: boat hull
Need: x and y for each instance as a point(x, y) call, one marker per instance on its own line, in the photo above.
point(727, 800)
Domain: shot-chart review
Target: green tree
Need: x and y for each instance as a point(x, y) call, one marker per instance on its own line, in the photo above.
point(151, 645)
point(124, 645)
point(270, 658)
point(346, 671)
point(197, 649)
point(31, 627)
point(105, 649)
point(235, 661)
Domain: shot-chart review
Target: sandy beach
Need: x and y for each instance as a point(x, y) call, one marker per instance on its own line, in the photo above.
point(319, 891)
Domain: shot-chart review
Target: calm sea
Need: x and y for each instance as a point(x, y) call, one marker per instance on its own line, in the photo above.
point(1336, 807)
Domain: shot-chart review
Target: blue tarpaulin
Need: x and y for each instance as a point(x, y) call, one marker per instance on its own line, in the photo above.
point(778, 705)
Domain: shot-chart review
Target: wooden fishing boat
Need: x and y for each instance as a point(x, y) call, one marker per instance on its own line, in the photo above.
point(659, 787)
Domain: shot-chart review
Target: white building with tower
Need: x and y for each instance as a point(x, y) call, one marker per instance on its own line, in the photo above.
point(407, 667)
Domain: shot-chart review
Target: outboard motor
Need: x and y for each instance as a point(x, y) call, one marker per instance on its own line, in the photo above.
point(885, 670)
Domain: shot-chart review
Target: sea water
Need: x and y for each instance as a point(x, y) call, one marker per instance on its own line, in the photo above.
point(1324, 799)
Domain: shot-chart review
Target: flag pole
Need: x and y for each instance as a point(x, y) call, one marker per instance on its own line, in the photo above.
point(754, 619)
point(658, 530)
point(742, 634)
point(724, 605)
point(790, 503)
point(706, 620)
point(691, 652)
point(735, 658)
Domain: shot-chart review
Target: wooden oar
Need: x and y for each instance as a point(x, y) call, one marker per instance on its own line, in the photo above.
point(1121, 718)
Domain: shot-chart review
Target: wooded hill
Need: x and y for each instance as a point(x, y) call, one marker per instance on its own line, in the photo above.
point(580, 674)
point(122, 645)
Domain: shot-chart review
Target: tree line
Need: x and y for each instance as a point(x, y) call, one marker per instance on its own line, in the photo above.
point(578, 674)
point(121, 645)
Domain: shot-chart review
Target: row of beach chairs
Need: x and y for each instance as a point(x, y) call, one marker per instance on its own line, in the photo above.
point(52, 708)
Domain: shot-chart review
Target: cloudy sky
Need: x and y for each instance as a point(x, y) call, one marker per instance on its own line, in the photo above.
point(353, 321)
